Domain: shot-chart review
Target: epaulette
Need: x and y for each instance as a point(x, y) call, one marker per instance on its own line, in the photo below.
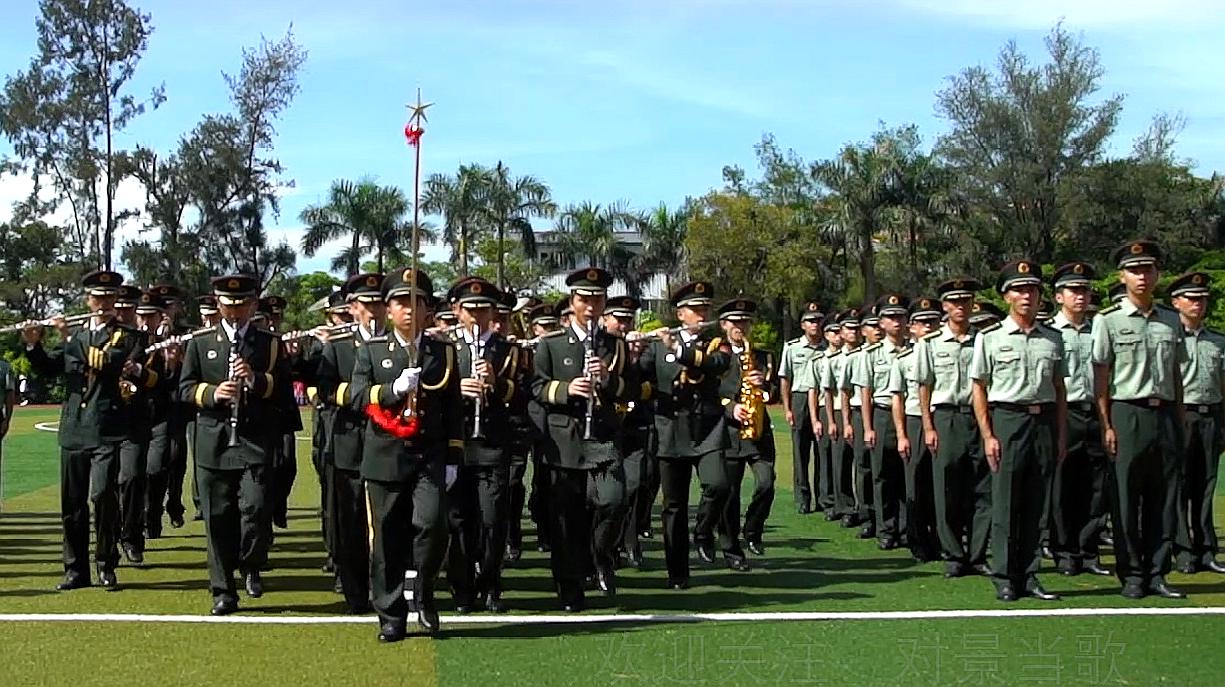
point(932, 335)
point(381, 338)
point(555, 332)
point(905, 352)
point(835, 353)
point(795, 340)
point(1111, 309)
point(1047, 321)
point(873, 347)
point(990, 328)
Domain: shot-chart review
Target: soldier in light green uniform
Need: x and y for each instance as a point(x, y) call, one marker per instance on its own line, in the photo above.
point(960, 477)
point(1202, 382)
point(797, 356)
point(920, 509)
point(837, 415)
point(1078, 489)
point(817, 409)
point(93, 359)
point(1138, 348)
point(870, 377)
point(1021, 409)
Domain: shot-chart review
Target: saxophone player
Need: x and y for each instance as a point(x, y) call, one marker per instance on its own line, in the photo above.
point(747, 386)
point(234, 459)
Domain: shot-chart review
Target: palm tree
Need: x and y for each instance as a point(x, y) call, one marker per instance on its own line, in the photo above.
point(663, 234)
point(510, 203)
point(591, 233)
point(370, 217)
point(860, 181)
point(459, 199)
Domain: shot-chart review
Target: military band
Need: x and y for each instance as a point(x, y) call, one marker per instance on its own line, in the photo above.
point(968, 434)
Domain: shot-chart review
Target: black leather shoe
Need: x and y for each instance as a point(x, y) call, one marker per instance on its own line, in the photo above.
point(391, 632)
point(868, 531)
point(1047, 553)
point(1095, 568)
point(224, 606)
point(1006, 593)
point(830, 516)
point(254, 585)
point(461, 607)
point(494, 603)
point(1070, 570)
point(1187, 568)
point(606, 580)
point(1039, 593)
point(573, 606)
point(706, 552)
point(329, 566)
point(756, 547)
point(1165, 591)
point(981, 569)
point(133, 554)
point(633, 559)
point(849, 521)
point(1106, 538)
point(337, 585)
point(107, 579)
point(543, 547)
point(887, 544)
point(952, 570)
point(73, 580)
point(427, 616)
point(513, 554)
point(176, 521)
point(1214, 566)
point(280, 521)
point(739, 564)
point(678, 583)
point(1133, 591)
point(803, 510)
point(153, 533)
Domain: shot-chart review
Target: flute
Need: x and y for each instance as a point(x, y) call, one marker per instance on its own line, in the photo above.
point(49, 322)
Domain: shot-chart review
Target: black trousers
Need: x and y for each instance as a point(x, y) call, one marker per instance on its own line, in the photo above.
point(1019, 490)
point(674, 476)
point(90, 476)
point(648, 489)
point(584, 527)
point(236, 525)
point(758, 510)
point(322, 472)
point(477, 521)
point(921, 533)
point(519, 456)
point(888, 478)
point(823, 474)
point(864, 502)
point(1197, 539)
point(132, 494)
point(961, 480)
point(350, 534)
point(842, 456)
point(284, 472)
point(639, 450)
point(1079, 502)
point(158, 480)
point(803, 453)
point(409, 522)
point(539, 504)
point(1144, 480)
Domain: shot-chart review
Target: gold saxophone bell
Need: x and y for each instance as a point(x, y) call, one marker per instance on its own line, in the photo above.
point(751, 397)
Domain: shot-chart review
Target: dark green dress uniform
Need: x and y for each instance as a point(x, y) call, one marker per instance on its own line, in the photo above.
point(758, 455)
point(166, 458)
point(920, 510)
point(871, 373)
point(234, 481)
point(523, 437)
point(208, 308)
point(960, 475)
point(797, 355)
point(284, 470)
point(691, 425)
point(8, 395)
point(93, 423)
point(573, 460)
point(1203, 378)
point(538, 500)
point(406, 477)
point(1140, 354)
point(638, 449)
point(478, 502)
point(1021, 371)
point(1078, 489)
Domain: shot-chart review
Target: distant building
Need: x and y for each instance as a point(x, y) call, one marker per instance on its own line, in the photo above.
point(653, 292)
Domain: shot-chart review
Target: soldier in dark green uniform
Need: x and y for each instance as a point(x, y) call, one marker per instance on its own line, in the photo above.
point(523, 433)
point(1021, 409)
point(686, 371)
point(93, 360)
point(404, 460)
point(544, 323)
point(1203, 381)
point(211, 317)
point(753, 449)
point(1138, 348)
point(960, 475)
point(285, 459)
point(8, 399)
point(323, 416)
point(244, 365)
point(638, 443)
point(568, 366)
point(141, 404)
point(477, 503)
point(167, 455)
point(870, 378)
point(344, 438)
point(1078, 488)
point(797, 355)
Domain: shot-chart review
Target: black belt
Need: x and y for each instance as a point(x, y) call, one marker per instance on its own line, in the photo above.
point(1025, 408)
point(1204, 408)
point(1146, 402)
point(954, 408)
point(1082, 406)
point(881, 406)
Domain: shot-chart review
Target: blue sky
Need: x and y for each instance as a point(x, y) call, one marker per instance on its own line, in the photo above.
point(634, 100)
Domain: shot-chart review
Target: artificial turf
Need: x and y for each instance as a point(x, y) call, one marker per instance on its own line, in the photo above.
point(810, 565)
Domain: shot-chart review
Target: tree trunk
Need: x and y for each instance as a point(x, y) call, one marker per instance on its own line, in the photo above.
point(501, 256)
point(463, 251)
point(867, 268)
point(355, 262)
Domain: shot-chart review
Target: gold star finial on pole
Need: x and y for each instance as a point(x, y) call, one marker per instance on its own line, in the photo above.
point(417, 110)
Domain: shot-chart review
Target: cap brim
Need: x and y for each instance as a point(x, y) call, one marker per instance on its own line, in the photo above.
point(927, 315)
point(1193, 291)
point(1138, 261)
point(407, 290)
point(102, 291)
point(693, 301)
point(1074, 281)
point(545, 320)
point(233, 300)
point(956, 295)
point(589, 290)
point(812, 318)
point(893, 311)
point(619, 313)
point(736, 316)
point(1020, 281)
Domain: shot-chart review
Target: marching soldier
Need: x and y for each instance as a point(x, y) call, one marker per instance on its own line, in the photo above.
point(580, 377)
point(1020, 405)
point(1078, 489)
point(797, 356)
point(829, 368)
point(211, 317)
point(238, 379)
point(960, 475)
point(323, 415)
point(1202, 383)
point(638, 443)
point(870, 378)
point(168, 442)
point(1138, 348)
point(141, 404)
point(748, 385)
point(859, 469)
point(344, 438)
point(93, 360)
point(405, 454)
point(685, 370)
point(829, 448)
point(478, 501)
point(8, 399)
point(523, 433)
point(908, 424)
point(285, 459)
point(543, 320)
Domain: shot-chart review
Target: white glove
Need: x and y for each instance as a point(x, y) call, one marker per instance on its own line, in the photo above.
point(452, 475)
point(406, 383)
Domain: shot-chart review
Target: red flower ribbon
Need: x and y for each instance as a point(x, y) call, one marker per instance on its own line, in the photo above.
point(392, 422)
point(413, 133)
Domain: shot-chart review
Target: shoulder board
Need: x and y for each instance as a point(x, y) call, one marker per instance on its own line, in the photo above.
point(382, 338)
point(555, 332)
point(874, 346)
point(934, 334)
point(1111, 309)
point(1047, 321)
point(835, 353)
point(795, 340)
point(989, 328)
point(906, 351)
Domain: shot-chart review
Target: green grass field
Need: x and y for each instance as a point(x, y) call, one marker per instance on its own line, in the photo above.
point(810, 565)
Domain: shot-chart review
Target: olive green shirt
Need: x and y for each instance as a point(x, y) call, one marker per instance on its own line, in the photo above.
point(831, 372)
point(871, 370)
point(843, 381)
point(1144, 351)
point(1018, 365)
point(1202, 370)
point(943, 363)
point(1077, 357)
point(902, 381)
point(797, 355)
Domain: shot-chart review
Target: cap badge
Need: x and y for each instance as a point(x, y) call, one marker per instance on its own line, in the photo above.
point(893, 300)
point(1078, 269)
point(232, 284)
point(144, 298)
point(813, 307)
point(1137, 249)
point(372, 281)
point(1197, 279)
point(925, 303)
point(592, 275)
point(740, 305)
point(958, 284)
point(407, 275)
point(104, 278)
point(699, 288)
point(475, 287)
point(1023, 268)
point(978, 307)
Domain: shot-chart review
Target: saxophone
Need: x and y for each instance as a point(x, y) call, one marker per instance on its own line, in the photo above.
point(751, 397)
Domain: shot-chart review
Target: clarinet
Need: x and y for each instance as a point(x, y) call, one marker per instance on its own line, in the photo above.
point(589, 344)
point(236, 402)
point(477, 351)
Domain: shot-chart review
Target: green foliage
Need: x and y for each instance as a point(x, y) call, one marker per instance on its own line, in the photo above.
point(765, 337)
point(300, 292)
